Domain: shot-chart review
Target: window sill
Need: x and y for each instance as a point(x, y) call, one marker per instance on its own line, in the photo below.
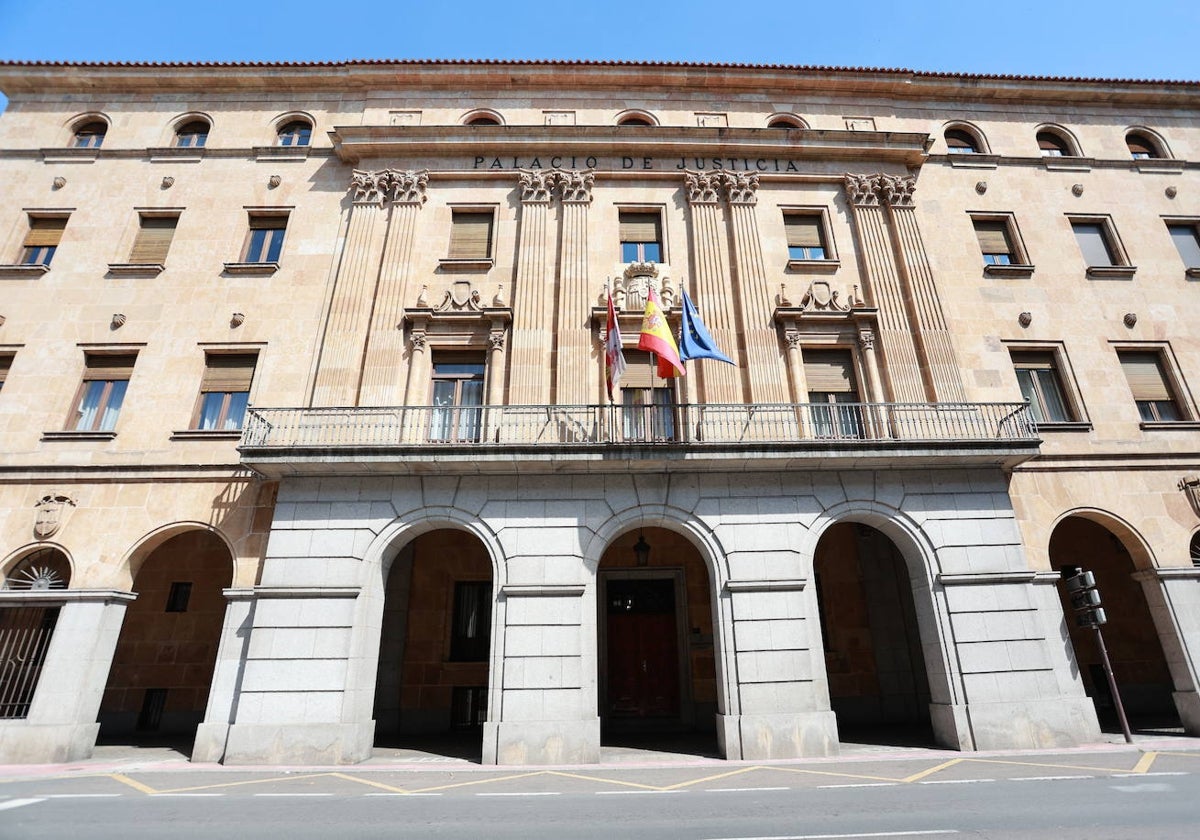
point(1012, 270)
point(136, 269)
point(281, 152)
point(1170, 425)
point(23, 272)
point(1159, 165)
point(974, 161)
point(72, 434)
point(176, 154)
point(814, 266)
point(207, 434)
point(1064, 426)
point(1067, 163)
point(252, 269)
point(70, 155)
point(461, 265)
point(1111, 272)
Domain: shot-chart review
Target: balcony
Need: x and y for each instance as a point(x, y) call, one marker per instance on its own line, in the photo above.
point(608, 438)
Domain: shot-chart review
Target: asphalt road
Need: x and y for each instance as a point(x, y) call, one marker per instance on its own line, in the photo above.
point(1093, 797)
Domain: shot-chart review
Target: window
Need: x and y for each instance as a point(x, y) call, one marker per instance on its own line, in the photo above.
point(471, 235)
point(1194, 549)
point(42, 240)
point(1141, 147)
point(471, 625)
point(1051, 144)
point(153, 240)
point(959, 141)
point(90, 135)
point(179, 595)
point(295, 133)
point(105, 378)
point(1098, 243)
point(225, 391)
point(483, 119)
point(641, 236)
point(193, 135)
point(996, 241)
point(457, 397)
point(5, 364)
point(648, 403)
point(805, 236)
point(785, 121)
point(636, 120)
point(833, 393)
point(1041, 386)
point(264, 240)
point(1186, 236)
point(1152, 392)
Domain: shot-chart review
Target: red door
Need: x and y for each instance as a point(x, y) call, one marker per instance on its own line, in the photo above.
point(643, 654)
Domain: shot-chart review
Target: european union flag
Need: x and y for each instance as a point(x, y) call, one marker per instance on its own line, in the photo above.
point(694, 340)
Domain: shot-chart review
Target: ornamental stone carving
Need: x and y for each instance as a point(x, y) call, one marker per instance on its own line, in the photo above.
point(703, 187)
point(370, 187)
point(376, 186)
point(50, 514)
point(862, 190)
point(537, 185)
point(576, 185)
point(793, 339)
point(496, 340)
point(417, 340)
point(897, 190)
point(741, 187)
point(821, 298)
point(866, 339)
point(408, 187)
point(460, 298)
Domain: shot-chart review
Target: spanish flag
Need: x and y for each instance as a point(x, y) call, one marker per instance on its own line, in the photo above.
point(656, 337)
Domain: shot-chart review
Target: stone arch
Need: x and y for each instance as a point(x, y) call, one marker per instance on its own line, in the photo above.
point(176, 124)
point(15, 559)
point(482, 116)
point(131, 562)
point(1138, 547)
point(786, 119)
point(1064, 135)
point(88, 120)
point(967, 131)
point(1150, 137)
point(636, 117)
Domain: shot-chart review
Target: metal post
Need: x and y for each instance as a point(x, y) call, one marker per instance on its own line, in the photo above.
point(1112, 686)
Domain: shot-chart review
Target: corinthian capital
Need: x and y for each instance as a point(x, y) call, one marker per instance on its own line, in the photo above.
point(370, 187)
point(741, 187)
point(536, 185)
point(703, 187)
point(409, 187)
point(897, 190)
point(576, 185)
point(862, 190)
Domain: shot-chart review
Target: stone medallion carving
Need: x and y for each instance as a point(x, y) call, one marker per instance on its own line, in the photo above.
point(50, 514)
point(460, 298)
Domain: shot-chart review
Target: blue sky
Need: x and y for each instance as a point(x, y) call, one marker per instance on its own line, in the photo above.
point(1094, 38)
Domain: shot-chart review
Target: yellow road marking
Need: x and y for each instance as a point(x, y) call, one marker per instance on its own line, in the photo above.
point(1144, 763)
point(916, 776)
point(714, 778)
point(1057, 766)
point(833, 773)
point(133, 783)
point(586, 778)
point(480, 782)
point(244, 782)
point(350, 778)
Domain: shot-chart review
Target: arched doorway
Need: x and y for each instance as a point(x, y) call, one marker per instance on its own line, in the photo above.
point(657, 669)
point(878, 684)
point(431, 688)
point(162, 669)
point(1130, 636)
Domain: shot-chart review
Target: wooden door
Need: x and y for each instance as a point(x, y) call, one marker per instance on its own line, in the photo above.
point(643, 650)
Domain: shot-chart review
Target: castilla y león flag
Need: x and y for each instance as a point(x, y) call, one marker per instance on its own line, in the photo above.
point(614, 359)
point(656, 337)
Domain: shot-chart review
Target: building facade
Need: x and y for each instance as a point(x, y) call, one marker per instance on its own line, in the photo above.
point(305, 444)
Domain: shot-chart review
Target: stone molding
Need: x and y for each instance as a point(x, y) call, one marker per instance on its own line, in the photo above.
point(543, 590)
point(986, 578)
point(291, 592)
point(792, 585)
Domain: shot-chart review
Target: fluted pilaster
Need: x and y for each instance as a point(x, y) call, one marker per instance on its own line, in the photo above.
point(532, 333)
point(711, 288)
point(573, 364)
point(383, 370)
point(758, 332)
point(885, 289)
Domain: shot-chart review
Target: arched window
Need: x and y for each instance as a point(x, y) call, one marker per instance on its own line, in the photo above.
point(483, 119)
point(1142, 146)
point(785, 122)
point(1051, 144)
point(193, 134)
point(90, 135)
point(959, 141)
point(295, 133)
point(635, 120)
point(46, 568)
point(1194, 549)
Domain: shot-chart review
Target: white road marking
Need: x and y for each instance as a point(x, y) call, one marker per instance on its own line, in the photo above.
point(293, 794)
point(1160, 787)
point(955, 781)
point(190, 795)
point(1144, 775)
point(741, 790)
point(1045, 778)
point(846, 836)
point(859, 785)
point(18, 803)
point(526, 793)
point(629, 792)
point(397, 793)
point(79, 795)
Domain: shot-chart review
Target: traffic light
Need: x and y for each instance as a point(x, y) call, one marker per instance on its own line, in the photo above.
point(1085, 600)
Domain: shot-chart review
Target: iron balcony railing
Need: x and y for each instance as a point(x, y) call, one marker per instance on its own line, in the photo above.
point(590, 425)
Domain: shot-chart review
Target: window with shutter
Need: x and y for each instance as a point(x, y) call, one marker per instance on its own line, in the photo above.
point(192, 135)
point(153, 240)
point(1052, 145)
point(805, 236)
point(225, 391)
point(1038, 378)
point(1152, 392)
point(264, 241)
point(1187, 241)
point(105, 379)
point(1094, 242)
point(5, 364)
point(641, 236)
point(90, 135)
point(995, 242)
point(1140, 146)
point(41, 242)
point(471, 235)
point(961, 142)
point(833, 392)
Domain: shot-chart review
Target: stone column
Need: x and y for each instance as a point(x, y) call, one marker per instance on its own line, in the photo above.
point(339, 369)
point(711, 290)
point(417, 388)
point(795, 366)
point(529, 372)
point(761, 360)
point(885, 289)
point(866, 344)
point(573, 364)
point(1174, 598)
point(383, 382)
point(925, 308)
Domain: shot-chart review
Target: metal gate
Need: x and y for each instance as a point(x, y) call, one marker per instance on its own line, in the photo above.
point(24, 639)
